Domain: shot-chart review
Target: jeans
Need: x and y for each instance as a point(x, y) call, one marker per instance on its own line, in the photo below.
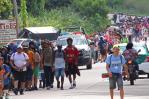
point(48, 75)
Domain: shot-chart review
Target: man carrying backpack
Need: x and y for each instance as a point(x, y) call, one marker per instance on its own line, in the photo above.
point(59, 63)
point(114, 65)
point(19, 63)
point(102, 45)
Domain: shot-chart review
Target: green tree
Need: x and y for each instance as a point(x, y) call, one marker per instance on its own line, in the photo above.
point(23, 13)
point(51, 4)
point(36, 7)
point(5, 8)
point(115, 3)
point(91, 7)
point(94, 12)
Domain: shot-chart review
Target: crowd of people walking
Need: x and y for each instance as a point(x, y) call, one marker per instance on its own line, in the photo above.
point(23, 68)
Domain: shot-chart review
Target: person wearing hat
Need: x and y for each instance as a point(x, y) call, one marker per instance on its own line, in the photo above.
point(59, 63)
point(71, 59)
point(114, 65)
point(19, 62)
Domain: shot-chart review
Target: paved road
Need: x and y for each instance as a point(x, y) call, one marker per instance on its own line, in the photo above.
point(90, 85)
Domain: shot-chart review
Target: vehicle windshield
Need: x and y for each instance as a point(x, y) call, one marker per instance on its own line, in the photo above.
point(137, 48)
point(76, 41)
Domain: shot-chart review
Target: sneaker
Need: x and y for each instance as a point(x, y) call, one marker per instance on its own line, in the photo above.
point(48, 88)
point(62, 88)
point(74, 84)
point(71, 87)
point(32, 89)
point(21, 92)
point(15, 91)
point(58, 85)
point(51, 85)
point(40, 85)
point(27, 89)
point(35, 88)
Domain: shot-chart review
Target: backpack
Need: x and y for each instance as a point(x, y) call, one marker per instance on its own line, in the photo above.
point(6, 68)
point(59, 54)
point(111, 58)
point(15, 53)
point(102, 45)
point(129, 54)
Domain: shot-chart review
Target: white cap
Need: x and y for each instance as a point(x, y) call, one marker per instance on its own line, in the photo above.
point(20, 47)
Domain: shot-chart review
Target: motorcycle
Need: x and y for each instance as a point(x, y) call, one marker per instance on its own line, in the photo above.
point(132, 71)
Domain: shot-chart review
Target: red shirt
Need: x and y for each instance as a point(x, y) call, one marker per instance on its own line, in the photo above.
point(71, 53)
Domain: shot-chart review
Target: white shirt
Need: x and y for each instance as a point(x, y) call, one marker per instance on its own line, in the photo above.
point(20, 59)
point(59, 63)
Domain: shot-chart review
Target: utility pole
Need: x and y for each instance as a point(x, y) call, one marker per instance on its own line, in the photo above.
point(16, 16)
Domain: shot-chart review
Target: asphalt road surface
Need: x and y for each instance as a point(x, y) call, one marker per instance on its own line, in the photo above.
point(90, 86)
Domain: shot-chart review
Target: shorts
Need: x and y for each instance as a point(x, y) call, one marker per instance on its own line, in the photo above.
point(36, 71)
point(20, 75)
point(72, 69)
point(116, 79)
point(29, 74)
point(59, 72)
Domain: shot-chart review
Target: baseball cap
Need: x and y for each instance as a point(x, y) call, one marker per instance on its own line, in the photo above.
point(20, 47)
point(116, 46)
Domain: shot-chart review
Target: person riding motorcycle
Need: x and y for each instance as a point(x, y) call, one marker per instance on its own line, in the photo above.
point(130, 55)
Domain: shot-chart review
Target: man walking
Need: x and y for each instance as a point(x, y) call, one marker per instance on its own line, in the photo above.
point(19, 62)
point(47, 63)
point(71, 59)
point(114, 65)
point(59, 64)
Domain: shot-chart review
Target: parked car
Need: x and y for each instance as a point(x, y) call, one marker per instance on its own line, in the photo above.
point(22, 42)
point(143, 57)
point(82, 45)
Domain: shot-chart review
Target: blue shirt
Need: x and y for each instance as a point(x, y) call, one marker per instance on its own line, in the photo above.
point(116, 63)
point(7, 70)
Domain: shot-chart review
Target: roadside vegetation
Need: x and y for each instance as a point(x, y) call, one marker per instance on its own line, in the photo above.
point(62, 13)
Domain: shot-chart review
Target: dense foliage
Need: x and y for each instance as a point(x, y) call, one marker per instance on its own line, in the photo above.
point(91, 14)
point(5, 8)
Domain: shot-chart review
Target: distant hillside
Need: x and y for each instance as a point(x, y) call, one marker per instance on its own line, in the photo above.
point(135, 7)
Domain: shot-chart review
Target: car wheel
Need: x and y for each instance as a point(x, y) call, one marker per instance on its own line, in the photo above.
point(89, 66)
